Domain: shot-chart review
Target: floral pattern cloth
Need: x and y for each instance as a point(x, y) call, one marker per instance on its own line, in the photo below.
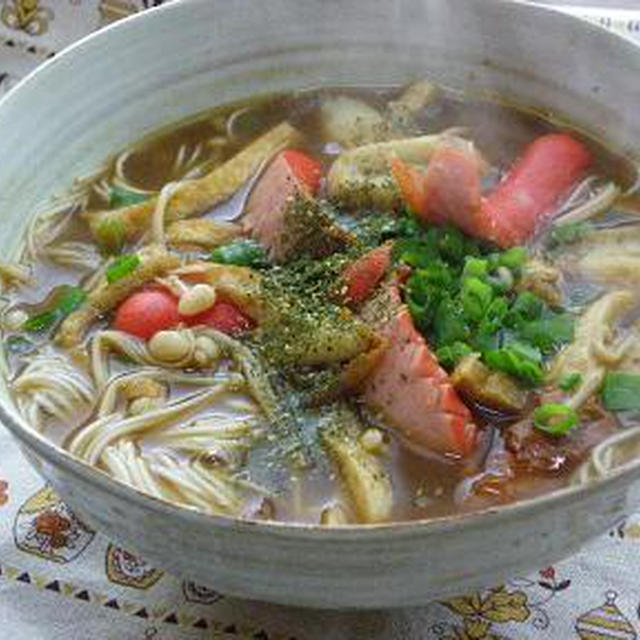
point(59, 579)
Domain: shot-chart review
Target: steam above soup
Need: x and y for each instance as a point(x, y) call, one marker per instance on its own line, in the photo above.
point(336, 307)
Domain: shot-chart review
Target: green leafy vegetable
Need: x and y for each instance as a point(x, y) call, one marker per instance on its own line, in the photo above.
point(555, 419)
point(476, 296)
point(518, 360)
point(570, 382)
point(503, 281)
point(415, 252)
point(122, 267)
point(425, 290)
point(513, 259)
point(462, 298)
point(452, 244)
point(621, 391)
point(41, 322)
point(245, 253)
point(526, 307)
point(408, 226)
point(488, 334)
point(449, 323)
point(450, 355)
point(121, 197)
point(475, 268)
point(548, 333)
point(66, 301)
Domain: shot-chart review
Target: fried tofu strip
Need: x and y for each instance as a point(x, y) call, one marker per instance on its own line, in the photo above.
point(195, 197)
point(489, 387)
point(202, 232)
point(366, 481)
point(155, 261)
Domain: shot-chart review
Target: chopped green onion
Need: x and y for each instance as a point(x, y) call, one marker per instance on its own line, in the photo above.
point(621, 391)
point(423, 297)
point(449, 356)
point(487, 335)
point(71, 298)
point(475, 268)
point(414, 252)
point(452, 244)
point(67, 301)
point(476, 297)
point(526, 306)
point(408, 226)
point(570, 382)
point(437, 273)
point(244, 253)
point(555, 419)
point(122, 267)
point(550, 333)
point(502, 281)
point(518, 360)
point(41, 322)
point(121, 197)
point(449, 323)
point(513, 259)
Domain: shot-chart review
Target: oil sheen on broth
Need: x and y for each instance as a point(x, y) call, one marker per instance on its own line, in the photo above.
point(336, 306)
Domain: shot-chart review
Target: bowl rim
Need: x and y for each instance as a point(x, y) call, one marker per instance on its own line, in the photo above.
point(59, 457)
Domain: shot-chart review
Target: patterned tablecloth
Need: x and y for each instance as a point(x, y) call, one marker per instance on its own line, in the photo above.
point(61, 580)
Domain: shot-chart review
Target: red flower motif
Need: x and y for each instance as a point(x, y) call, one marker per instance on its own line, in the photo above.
point(4, 492)
point(549, 573)
point(54, 526)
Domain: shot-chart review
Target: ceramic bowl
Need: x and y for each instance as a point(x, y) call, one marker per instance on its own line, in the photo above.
point(145, 72)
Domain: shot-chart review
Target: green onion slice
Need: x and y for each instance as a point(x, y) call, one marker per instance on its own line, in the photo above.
point(67, 301)
point(555, 419)
point(621, 391)
point(571, 382)
point(122, 267)
point(121, 197)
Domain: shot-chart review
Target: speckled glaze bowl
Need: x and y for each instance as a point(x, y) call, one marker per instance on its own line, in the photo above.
point(113, 87)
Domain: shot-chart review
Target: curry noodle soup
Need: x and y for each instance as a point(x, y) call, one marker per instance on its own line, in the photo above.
point(337, 307)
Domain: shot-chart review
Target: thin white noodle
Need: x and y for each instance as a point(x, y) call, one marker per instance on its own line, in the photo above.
point(587, 389)
point(102, 189)
point(602, 454)
point(80, 255)
point(598, 203)
point(45, 226)
point(62, 394)
point(128, 186)
point(195, 155)
point(103, 342)
point(15, 272)
point(636, 184)
point(158, 219)
point(252, 369)
point(87, 434)
point(98, 277)
point(179, 159)
point(108, 401)
point(115, 462)
point(119, 164)
point(172, 411)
